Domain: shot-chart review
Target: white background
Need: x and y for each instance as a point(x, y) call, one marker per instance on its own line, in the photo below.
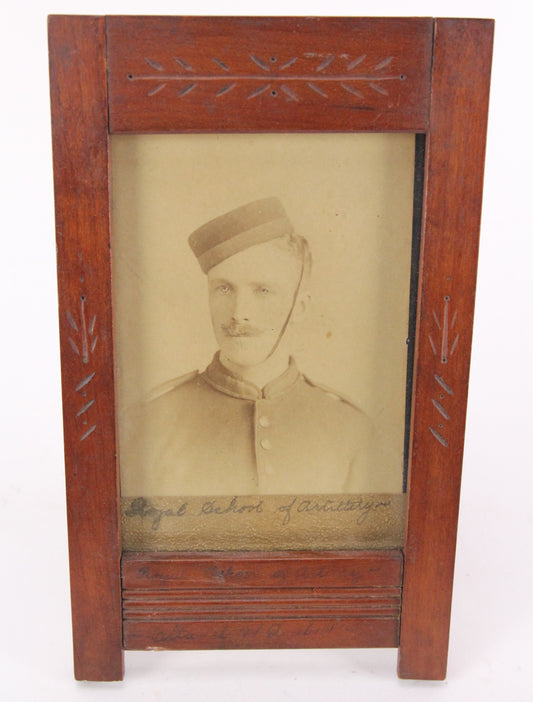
point(491, 647)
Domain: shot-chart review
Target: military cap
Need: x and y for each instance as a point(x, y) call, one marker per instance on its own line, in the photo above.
point(250, 224)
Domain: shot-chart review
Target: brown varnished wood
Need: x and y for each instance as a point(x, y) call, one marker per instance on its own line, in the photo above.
point(181, 74)
point(80, 140)
point(450, 235)
point(261, 600)
point(330, 632)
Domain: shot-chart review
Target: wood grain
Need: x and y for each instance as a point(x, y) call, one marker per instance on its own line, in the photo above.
point(455, 152)
point(261, 600)
point(80, 140)
point(182, 74)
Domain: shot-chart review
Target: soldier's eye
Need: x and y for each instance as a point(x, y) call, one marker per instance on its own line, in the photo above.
point(263, 291)
point(223, 289)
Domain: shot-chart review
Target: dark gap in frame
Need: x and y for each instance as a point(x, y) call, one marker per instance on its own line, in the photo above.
point(418, 197)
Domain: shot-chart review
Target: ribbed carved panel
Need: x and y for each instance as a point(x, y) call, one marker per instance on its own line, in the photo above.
point(292, 603)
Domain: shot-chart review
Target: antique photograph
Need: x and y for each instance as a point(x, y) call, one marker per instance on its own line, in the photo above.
point(261, 312)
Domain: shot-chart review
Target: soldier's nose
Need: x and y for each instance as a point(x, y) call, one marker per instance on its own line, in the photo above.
point(241, 310)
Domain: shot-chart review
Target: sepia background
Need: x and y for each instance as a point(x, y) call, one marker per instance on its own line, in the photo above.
point(351, 195)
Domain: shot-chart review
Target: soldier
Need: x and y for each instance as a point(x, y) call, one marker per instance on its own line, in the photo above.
point(251, 423)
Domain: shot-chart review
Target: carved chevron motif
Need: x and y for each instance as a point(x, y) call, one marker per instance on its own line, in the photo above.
point(83, 340)
point(443, 344)
point(274, 79)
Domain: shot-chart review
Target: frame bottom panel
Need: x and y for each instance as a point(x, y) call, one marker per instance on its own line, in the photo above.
point(185, 601)
point(265, 634)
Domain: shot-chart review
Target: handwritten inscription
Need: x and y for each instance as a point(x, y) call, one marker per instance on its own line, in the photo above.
point(213, 507)
point(220, 574)
point(361, 506)
point(141, 507)
point(224, 633)
point(262, 522)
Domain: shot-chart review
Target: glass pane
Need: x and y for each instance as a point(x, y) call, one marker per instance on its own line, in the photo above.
point(261, 396)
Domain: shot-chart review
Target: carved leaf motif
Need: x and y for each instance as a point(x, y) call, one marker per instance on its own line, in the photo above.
point(84, 345)
point(315, 73)
point(357, 61)
point(384, 63)
point(183, 64)
point(440, 345)
point(154, 64)
point(157, 89)
point(221, 64)
point(225, 89)
point(325, 64)
point(259, 62)
point(289, 63)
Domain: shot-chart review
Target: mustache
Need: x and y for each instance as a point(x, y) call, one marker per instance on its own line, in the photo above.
point(236, 329)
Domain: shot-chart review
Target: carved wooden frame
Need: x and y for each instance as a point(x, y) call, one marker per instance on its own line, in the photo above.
point(150, 74)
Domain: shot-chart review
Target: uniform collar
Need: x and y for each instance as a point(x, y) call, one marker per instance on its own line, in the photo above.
point(219, 377)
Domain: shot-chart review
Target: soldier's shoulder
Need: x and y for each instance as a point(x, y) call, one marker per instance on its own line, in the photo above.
point(330, 395)
point(170, 386)
point(338, 405)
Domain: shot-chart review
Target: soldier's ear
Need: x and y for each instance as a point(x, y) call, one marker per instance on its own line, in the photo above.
point(302, 304)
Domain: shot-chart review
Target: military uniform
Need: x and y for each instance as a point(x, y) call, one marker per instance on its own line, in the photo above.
point(216, 434)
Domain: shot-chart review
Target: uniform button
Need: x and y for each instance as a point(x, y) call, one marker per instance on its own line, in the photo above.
point(268, 468)
point(264, 421)
point(265, 443)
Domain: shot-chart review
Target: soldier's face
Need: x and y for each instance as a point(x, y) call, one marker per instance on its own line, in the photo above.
point(250, 297)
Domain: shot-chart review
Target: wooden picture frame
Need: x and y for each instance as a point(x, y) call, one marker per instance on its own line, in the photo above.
point(118, 75)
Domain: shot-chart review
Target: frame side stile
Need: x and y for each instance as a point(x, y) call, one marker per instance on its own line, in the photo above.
point(454, 179)
point(80, 149)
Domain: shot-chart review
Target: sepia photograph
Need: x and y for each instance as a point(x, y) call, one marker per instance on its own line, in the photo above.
point(261, 304)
